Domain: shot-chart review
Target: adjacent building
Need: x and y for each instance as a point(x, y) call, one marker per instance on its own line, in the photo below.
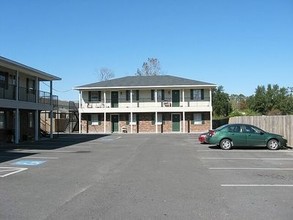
point(145, 104)
point(22, 101)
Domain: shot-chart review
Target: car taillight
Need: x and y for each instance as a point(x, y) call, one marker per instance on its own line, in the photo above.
point(212, 132)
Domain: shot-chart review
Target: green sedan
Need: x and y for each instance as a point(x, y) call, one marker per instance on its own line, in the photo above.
point(230, 135)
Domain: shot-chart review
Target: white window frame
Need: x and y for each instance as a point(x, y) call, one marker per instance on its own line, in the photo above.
point(133, 122)
point(197, 118)
point(95, 119)
point(159, 119)
point(95, 96)
point(196, 93)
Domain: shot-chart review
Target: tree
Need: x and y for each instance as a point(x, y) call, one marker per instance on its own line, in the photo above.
point(150, 68)
point(272, 100)
point(257, 102)
point(106, 74)
point(238, 102)
point(221, 103)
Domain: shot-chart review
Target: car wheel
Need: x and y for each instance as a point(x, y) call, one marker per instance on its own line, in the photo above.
point(273, 144)
point(226, 144)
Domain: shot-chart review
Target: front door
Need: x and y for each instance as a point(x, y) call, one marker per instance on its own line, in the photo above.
point(175, 98)
point(114, 122)
point(114, 99)
point(176, 122)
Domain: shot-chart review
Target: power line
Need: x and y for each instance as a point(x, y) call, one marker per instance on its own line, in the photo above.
point(56, 90)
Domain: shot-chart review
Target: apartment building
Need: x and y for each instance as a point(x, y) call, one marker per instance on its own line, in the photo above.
point(21, 101)
point(145, 104)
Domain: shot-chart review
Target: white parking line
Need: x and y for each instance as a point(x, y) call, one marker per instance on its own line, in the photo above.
point(243, 158)
point(238, 150)
point(11, 170)
point(48, 158)
point(257, 185)
point(250, 168)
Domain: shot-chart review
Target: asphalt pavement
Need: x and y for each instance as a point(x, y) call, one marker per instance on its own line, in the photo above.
point(143, 176)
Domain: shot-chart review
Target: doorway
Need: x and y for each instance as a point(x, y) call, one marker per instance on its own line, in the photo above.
point(114, 123)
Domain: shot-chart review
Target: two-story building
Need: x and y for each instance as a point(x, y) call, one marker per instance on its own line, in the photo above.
point(145, 104)
point(21, 100)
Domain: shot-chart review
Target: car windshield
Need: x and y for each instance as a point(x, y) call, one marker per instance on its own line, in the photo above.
point(221, 127)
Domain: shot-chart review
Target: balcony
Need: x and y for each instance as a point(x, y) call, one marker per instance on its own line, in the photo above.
point(27, 95)
point(144, 105)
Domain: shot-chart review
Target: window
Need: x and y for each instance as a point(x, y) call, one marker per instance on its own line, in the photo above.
point(30, 120)
point(30, 86)
point(95, 119)
point(197, 118)
point(161, 95)
point(94, 96)
point(3, 80)
point(160, 119)
point(2, 119)
point(133, 119)
point(197, 94)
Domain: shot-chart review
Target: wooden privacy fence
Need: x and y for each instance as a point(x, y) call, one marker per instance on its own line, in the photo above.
point(282, 124)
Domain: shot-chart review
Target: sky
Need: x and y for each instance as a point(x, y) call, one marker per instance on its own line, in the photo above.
point(237, 44)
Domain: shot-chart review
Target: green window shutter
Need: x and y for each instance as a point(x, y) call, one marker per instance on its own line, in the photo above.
point(100, 119)
point(153, 118)
point(137, 95)
point(152, 94)
point(191, 94)
point(163, 94)
point(127, 95)
point(90, 96)
point(99, 96)
point(202, 94)
point(127, 119)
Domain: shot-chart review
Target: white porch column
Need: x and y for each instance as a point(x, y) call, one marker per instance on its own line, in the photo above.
point(183, 98)
point(131, 113)
point(131, 119)
point(183, 121)
point(156, 121)
point(211, 110)
point(105, 122)
point(105, 114)
point(105, 99)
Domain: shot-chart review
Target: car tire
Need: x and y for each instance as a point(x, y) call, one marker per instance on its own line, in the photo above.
point(226, 144)
point(273, 144)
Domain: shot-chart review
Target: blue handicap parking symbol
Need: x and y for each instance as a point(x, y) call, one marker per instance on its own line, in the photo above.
point(29, 162)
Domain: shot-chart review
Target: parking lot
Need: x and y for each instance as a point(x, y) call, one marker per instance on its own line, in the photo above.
point(143, 176)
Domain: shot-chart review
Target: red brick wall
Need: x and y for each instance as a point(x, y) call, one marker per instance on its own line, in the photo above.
point(145, 124)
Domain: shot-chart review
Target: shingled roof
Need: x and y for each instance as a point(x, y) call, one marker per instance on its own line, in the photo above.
point(146, 81)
